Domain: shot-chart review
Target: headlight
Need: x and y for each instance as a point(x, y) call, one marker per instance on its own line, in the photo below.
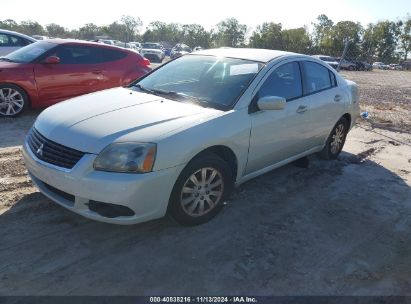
point(127, 157)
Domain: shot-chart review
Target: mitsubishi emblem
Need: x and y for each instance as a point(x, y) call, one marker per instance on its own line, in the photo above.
point(39, 151)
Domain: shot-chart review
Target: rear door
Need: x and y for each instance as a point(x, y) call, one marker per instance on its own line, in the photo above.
point(325, 98)
point(80, 71)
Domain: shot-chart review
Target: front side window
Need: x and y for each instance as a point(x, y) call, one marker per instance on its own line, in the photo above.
point(207, 80)
point(77, 54)
point(284, 81)
point(316, 77)
point(4, 40)
point(18, 41)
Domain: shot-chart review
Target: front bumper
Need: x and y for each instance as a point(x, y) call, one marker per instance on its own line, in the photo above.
point(146, 195)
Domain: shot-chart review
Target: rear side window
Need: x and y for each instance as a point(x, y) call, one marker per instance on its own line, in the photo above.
point(284, 81)
point(108, 55)
point(317, 77)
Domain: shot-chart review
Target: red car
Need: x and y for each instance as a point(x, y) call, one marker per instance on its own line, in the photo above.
point(46, 72)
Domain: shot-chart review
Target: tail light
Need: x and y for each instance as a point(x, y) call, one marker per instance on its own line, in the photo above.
point(146, 62)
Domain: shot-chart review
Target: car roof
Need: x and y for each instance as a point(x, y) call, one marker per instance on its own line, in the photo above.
point(17, 34)
point(76, 41)
point(261, 55)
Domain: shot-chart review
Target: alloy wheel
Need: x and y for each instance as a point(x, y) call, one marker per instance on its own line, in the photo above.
point(11, 102)
point(337, 138)
point(202, 191)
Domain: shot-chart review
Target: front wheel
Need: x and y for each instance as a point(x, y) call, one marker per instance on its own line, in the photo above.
point(336, 140)
point(201, 190)
point(13, 100)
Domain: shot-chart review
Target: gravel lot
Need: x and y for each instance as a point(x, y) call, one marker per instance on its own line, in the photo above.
point(334, 228)
point(386, 95)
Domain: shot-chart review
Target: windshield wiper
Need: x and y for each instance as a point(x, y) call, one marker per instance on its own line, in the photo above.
point(6, 59)
point(144, 89)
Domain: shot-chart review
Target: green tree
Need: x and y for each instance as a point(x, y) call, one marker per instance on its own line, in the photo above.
point(296, 40)
point(30, 28)
point(9, 24)
point(322, 30)
point(380, 41)
point(267, 36)
point(230, 33)
point(89, 31)
point(195, 35)
point(132, 26)
point(405, 37)
point(161, 31)
point(115, 31)
point(333, 43)
point(54, 30)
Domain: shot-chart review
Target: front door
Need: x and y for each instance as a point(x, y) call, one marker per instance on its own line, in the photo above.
point(279, 134)
point(80, 71)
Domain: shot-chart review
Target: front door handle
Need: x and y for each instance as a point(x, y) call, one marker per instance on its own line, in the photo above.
point(301, 109)
point(97, 72)
point(337, 98)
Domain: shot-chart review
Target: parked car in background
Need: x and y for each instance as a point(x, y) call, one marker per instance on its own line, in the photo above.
point(179, 139)
point(39, 37)
point(11, 41)
point(167, 52)
point(153, 51)
point(107, 41)
point(180, 50)
point(395, 67)
point(328, 59)
point(136, 46)
point(346, 64)
point(380, 65)
point(362, 66)
point(48, 71)
point(406, 65)
point(197, 48)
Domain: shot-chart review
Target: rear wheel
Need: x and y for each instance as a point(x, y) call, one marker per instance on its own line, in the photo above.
point(13, 100)
point(336, 140)
point(201, 190)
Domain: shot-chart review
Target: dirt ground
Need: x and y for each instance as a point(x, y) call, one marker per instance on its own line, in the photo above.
point(335, 228)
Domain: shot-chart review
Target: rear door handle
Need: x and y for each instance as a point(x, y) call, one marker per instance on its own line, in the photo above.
point(337, 98)
point(97, 72)
point(301, 109)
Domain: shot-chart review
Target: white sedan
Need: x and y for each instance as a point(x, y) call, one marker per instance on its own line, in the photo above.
point(11, 41)
point(177, 140)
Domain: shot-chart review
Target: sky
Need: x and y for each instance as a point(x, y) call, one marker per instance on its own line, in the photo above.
point(291, 13)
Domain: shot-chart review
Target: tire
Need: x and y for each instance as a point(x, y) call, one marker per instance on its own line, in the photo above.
point(13, 100)
point(189, 205)
point(351, 68)
point(335, 141)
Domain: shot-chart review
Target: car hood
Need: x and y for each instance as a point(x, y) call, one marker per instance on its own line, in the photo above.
point(91, 122)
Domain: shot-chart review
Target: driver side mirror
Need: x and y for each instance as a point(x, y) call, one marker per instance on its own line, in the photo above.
point(52, 60)
point(271, 103)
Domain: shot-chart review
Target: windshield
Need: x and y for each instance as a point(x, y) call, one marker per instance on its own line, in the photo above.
point(30, 52)
point(205, 80)
point(151, 46)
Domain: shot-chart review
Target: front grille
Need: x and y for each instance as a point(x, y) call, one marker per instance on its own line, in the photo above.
point(52, 152)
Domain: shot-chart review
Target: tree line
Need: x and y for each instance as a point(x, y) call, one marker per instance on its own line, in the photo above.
point(388, 41)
